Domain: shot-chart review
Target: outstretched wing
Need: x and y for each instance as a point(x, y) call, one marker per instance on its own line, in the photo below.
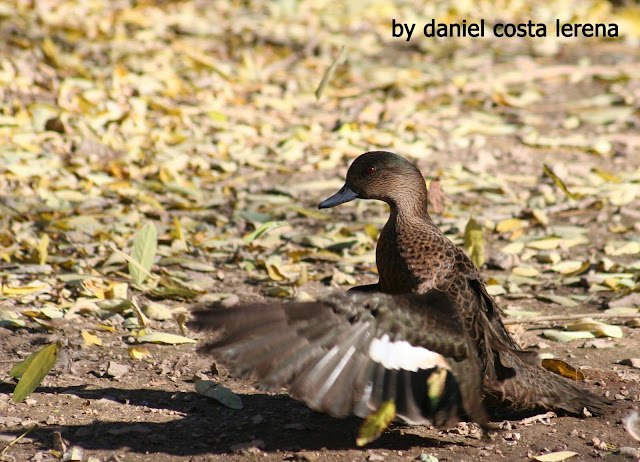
point(351, 352)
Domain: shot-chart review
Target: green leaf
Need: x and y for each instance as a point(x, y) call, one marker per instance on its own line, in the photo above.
point(32, 370)
point(221, 394)
point(559, 183)
point(435, 384)
point(474, 241)
point(327, 75)
point(143, 252)
point(376, 423)
point(255, 234)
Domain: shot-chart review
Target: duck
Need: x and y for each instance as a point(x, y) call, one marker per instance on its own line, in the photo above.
point(413, 256)
point(348, 353)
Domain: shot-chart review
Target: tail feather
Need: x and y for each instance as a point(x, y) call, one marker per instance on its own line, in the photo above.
point(533, 387)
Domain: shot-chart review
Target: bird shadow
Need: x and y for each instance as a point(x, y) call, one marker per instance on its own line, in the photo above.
point(192, 424)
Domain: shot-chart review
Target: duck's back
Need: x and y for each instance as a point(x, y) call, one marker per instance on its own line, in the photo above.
point(414, 256)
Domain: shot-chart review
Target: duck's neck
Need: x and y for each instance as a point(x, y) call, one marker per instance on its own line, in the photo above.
point(411, 207)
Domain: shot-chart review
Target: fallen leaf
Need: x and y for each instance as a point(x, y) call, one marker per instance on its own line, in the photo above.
point(32, 370)
point(143, 252)
point(138, 352)
point(510, 225)
point(91, 339)
point(558, 182)
point(564, 369)
point(599, 328)
point(559, 299)
point(25, 290)
point(555, 456)
point(376, 423)
point(526, 271)
point(221, 394)
point(164, 338)
point(474, 242)
point(562, 336)
point(255, 234)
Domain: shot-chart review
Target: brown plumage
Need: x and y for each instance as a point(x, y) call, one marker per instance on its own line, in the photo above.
point(323, 352)
point(414, 256)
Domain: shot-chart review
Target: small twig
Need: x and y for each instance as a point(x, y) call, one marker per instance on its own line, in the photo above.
point(15, 441)
point(568, 317)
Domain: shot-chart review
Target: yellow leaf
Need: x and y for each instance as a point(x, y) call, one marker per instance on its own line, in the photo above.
point(178, 229)
point(116, 290)
point(561, 336)
point(372, 231)
point(137, 352)
point(564, 369)
point(526, 271)
point(95, 289)
point(376, 423)
point(555, 456)
point(509, 225)
point(91, 339)
point(513, 248)
point(540, 217)
point(43, 243)
point(182, 323)
point(628, 248)
point(106, 327)
point(474, 241)
point(311, 213)
point(612, 283)
point(599, 328)
point(435, 386)
point(273, 263)
point(607, 176)
point(164, 338)
point(278, 291)
point(302, 280)
point(550, 243)
point(25, 290)
point(51, 51)
point(569, 266)
point(517, 234)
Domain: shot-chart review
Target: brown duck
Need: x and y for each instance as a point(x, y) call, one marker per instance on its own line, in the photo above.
point(350, 352)
point(414, 256)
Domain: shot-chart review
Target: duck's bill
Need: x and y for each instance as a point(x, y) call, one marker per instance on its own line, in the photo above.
point(345, 194)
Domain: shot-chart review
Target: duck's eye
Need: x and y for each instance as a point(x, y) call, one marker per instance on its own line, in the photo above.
point(371, 170)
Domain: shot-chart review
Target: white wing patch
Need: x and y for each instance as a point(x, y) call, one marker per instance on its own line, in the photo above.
point(403, 355)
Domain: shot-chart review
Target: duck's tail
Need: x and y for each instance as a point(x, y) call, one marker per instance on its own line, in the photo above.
point(531, 386)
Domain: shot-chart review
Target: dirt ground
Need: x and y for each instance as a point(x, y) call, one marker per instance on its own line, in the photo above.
point(487, 146)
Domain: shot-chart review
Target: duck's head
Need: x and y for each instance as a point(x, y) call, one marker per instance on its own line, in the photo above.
point(383, 176)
